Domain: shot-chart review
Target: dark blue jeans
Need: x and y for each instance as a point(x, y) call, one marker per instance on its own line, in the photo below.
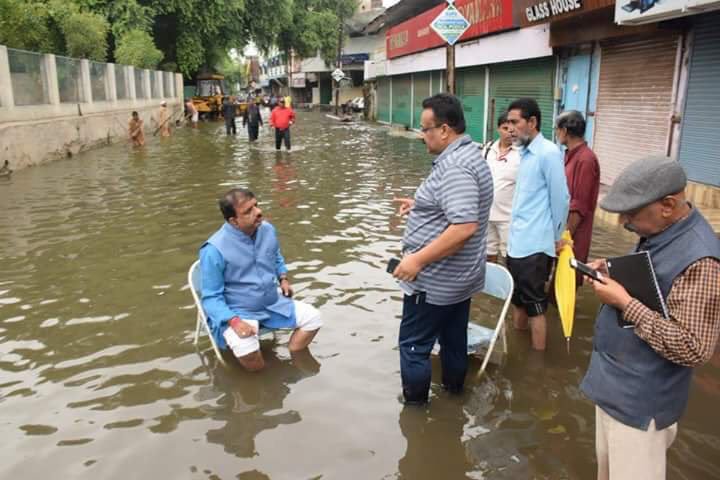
point(281, 135)
point(422, 324)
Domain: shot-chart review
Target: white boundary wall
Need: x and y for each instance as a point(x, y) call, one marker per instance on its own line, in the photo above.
point(50, 129)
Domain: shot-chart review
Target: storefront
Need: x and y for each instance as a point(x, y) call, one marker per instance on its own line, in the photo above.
point(402, 100)
point(575, 28)
point(470, 88)
point(635, 100)
point(421, 90)
point(622, 78)
point(416, 52)
point(702, 104)
point(384, 99)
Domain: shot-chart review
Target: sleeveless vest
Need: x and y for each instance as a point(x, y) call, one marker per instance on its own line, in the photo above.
point(626, 377)
point(251, 287)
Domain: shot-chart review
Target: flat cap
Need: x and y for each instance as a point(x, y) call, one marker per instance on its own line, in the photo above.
point(644, 182)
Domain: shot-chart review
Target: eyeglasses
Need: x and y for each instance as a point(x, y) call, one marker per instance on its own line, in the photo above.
point(427, 129)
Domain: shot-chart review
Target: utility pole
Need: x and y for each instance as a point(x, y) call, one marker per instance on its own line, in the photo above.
point(339, 65)
point(450, 54)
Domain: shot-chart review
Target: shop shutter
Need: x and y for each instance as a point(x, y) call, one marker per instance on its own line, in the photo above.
point(421, 90)
point(438, 82)
point(325, 90)
point(383, 99)
point(471, 91)
point(632, 118)
point(401, 104)
point(526, 78)
point(699, 124)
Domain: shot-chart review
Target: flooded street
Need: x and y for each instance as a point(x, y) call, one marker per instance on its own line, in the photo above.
point(99, 377)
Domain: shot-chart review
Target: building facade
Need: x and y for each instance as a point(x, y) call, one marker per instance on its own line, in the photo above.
point(644, 80)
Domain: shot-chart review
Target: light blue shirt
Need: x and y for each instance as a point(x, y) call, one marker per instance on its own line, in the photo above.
point(541, 200)
point(239, 278)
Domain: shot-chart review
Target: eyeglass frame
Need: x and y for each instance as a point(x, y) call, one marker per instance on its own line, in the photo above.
point(424, 130)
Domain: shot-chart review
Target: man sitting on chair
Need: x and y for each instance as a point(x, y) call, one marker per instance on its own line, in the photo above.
point(241, 267)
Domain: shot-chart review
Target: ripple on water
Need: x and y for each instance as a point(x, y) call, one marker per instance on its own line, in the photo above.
point(101, 344)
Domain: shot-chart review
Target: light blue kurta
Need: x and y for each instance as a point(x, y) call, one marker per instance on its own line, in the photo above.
point(541, 200)
point(239, 278)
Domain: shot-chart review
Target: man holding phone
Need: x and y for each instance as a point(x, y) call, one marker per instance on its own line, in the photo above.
point(639, 377)
point(444, 251)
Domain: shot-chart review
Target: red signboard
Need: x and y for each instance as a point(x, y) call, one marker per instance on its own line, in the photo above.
point(415, 35)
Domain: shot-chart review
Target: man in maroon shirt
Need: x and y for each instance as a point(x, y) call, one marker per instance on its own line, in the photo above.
point(583, 177)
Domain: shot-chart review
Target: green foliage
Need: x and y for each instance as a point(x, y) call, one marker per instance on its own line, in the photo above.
point(193, 35)
point(315, 26)
point(234, 72)
point(126, 15)
point(25, 25)
point(137, 48)
point(86, 35)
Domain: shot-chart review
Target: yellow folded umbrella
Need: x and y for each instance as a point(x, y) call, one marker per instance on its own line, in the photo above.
point(565, 287)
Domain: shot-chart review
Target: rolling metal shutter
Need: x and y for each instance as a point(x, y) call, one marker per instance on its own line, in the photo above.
point(401, 102)
point(634, 102)
point(383, 99)
point(526, 78)
point(471, 91)
point(326, 91)
point(699, 125)
point(438, 82)
point(421, 90)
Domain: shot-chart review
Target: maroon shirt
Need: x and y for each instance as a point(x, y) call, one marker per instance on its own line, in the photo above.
point(583, 177)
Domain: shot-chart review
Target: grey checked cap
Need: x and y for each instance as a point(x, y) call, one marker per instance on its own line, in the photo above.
point(644, 182)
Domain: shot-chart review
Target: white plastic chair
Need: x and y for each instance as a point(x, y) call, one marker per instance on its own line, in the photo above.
point(195, 282)
point(498, 284)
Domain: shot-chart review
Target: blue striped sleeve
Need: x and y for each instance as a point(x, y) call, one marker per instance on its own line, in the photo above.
point(458, 194)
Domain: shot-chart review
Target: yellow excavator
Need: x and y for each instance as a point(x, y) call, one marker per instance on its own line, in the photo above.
point(210, 90)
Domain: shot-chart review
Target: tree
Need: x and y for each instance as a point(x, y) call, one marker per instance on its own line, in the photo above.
point(315, 27)
point(24, 25)
point(137, 48)
point(86, 35)
point(234, 72)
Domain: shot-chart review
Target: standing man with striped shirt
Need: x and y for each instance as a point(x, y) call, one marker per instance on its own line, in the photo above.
point(444, 251)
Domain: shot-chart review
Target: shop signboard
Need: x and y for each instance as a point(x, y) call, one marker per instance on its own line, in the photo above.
point(298, 80)
point(450, 25)
point(535, 12)
point(416, 35)
point(634, 12)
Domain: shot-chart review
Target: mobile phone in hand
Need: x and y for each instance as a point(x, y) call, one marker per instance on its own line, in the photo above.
point(586, 270)
point(392, 265)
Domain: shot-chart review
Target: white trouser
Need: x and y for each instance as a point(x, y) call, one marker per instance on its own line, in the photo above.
point(307, 319)
point(497, 238)
point(627, 453)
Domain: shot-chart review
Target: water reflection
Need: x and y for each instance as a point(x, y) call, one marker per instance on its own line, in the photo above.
point(434, 441)
point(96, 329)
point(249, 403)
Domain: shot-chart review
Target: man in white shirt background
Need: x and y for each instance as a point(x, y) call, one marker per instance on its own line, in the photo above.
point(503, 159)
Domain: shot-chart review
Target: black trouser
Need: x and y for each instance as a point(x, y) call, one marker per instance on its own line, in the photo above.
point(281, 135)
point(230, 126)
point(253, 131)
point(423, 323)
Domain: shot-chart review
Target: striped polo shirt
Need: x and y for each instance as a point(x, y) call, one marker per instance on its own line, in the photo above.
point(458, 190)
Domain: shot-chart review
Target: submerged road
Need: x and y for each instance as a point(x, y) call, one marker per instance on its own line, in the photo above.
point(99, 377)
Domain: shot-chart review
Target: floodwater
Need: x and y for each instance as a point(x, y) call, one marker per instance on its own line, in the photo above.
point(99, 377)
